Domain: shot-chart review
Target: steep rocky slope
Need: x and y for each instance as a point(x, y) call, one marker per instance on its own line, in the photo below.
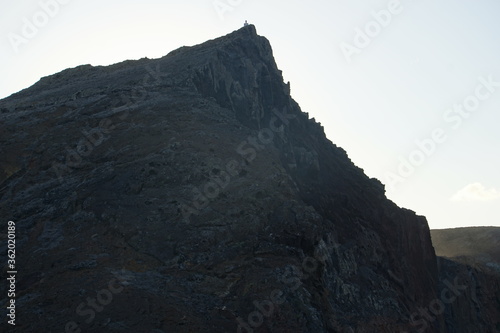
point(473, 254)
point(191, 194)
point(474, 302)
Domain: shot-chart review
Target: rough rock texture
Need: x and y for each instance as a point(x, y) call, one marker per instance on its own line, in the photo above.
point(476, 297)
point(191, 194)
point(473, 256)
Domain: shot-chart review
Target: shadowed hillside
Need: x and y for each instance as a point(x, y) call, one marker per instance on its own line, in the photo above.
point(190, 193)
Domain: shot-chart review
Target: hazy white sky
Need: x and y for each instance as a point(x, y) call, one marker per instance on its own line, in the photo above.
point(410, 89)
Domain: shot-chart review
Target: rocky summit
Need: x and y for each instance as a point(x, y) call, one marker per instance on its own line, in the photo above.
point(190, 193)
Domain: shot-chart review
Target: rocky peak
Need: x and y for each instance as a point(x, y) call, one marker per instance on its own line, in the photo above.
point(195, 187)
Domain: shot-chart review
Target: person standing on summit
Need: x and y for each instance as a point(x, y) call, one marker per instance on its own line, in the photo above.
point(245, 24)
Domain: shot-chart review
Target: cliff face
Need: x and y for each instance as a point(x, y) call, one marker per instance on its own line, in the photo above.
point(190, 193)
point(474, 304)
point(473, 255)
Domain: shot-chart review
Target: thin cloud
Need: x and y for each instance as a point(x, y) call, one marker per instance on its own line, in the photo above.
point(476, 192)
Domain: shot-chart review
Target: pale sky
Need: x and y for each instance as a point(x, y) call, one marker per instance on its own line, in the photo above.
point(411, 93)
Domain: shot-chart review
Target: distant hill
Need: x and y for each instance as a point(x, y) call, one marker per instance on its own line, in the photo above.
point(469, 245)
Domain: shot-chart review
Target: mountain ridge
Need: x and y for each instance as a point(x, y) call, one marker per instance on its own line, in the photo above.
point(473, 245)
point(196, 184)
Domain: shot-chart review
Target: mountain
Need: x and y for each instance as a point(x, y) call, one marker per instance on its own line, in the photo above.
point(474, 245)
point(190, 193)
point(472, 254)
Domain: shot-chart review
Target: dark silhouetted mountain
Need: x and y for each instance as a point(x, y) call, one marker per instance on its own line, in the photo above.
point(191, 194)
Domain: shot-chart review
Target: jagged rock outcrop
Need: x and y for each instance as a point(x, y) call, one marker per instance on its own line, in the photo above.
point(190, 193)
